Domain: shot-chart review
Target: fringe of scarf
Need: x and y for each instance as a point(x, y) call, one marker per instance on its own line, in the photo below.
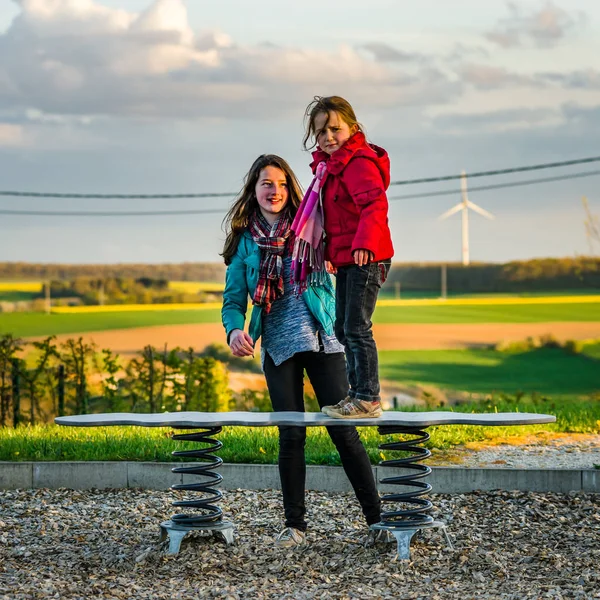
point(308, 256)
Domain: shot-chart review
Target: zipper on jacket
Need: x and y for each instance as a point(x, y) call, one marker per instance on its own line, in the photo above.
point(314, 289)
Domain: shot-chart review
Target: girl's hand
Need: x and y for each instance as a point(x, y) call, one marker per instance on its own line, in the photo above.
point(330, 268)
point(362, 257)
point(241, 343)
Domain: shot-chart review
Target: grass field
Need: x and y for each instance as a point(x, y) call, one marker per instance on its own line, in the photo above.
point(389, 293)
point(83, 319)
point(16, 296)
point(38, 324)
point(543, 370)
point(488, 313)
point(260, 445)
point(16, 291)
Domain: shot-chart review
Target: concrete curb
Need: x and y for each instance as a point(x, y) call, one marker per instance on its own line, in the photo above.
point(158, 476)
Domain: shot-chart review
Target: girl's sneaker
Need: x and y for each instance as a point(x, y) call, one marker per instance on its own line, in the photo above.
point(378, 536)
point(352, 408)
point(290, 537)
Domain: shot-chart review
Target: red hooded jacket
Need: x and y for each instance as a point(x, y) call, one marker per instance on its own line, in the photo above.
point(355, 205)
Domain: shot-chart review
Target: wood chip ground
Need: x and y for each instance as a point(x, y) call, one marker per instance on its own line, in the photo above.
point(68, 544)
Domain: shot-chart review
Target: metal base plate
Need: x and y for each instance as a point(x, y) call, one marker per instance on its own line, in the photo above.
point(176, 533)
point(404, 536)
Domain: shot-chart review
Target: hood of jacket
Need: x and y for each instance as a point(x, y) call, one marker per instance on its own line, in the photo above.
point(356, 145)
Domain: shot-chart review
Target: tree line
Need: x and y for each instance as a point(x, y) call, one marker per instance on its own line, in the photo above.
point(515, 276)
point(119, 290)
point(548, 274)
point(214, 272)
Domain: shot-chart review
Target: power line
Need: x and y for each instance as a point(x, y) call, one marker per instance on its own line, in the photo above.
point(482, 188)
point(232, 194)
point(116, 196)
point(497, 186)
point(553, 165)
point(148, 213)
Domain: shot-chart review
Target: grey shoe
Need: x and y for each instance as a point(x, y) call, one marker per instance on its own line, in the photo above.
point(379, 536)
point(335, 407)
point(290, 537)
point(352, 408)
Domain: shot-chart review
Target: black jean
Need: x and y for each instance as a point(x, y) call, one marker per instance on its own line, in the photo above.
point(357, 289)
point(327, 374)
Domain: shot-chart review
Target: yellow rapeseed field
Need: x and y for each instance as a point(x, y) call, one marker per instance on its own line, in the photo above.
point(63, 310)
point(506, 300)
point(503, 300)
point(193, 287)
point(21, 286)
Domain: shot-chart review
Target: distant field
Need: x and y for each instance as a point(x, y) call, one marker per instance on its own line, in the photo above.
point(388, 293)
point(20, 286)
point(14, 296)
point(16, 291)
point(546, 370)
point(90, 318)
point(193, 287)
point(38, 324)
point(487, 312)
point(133, 308)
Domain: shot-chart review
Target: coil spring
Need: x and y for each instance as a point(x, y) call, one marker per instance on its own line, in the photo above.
point(209, 512)
point(407, 517)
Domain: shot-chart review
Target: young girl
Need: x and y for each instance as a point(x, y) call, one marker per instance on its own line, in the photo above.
point(352, 177)
point(297, 333)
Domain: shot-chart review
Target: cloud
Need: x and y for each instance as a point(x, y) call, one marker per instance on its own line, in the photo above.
point(499, 121)
point(78, 58)
point(486, 77)
point(11, 135)
point(588, 79)
point(388, 54)
point(543, 28)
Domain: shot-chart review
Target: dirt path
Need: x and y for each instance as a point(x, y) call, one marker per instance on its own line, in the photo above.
point(127, 342)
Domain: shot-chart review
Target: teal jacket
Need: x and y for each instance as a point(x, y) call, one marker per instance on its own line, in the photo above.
point(241, 280)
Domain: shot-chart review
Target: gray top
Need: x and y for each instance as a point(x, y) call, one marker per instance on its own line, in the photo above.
point(290, 326)
point(309, 419)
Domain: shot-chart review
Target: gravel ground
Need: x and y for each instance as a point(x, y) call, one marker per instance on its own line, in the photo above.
point(104, 544)
point(542, 451)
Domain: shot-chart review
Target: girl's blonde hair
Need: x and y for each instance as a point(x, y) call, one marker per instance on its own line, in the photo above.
point(327, 104)
point(237, 218)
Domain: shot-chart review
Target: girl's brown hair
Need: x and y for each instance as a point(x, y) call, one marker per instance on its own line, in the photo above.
point(327, 104)
point(236, 220)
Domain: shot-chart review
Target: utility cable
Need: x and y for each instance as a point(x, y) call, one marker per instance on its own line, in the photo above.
point(497, 186)
point(232, 194)
point(221, 211)
point(553, 165)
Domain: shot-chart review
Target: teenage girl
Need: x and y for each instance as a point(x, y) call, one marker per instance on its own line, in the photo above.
point(297, 333)
point(351, 176)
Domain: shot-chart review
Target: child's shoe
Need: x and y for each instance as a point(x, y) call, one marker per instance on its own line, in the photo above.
point(290, 537)
point(352, 408)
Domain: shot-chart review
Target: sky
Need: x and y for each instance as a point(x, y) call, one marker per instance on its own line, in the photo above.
point(175, 96)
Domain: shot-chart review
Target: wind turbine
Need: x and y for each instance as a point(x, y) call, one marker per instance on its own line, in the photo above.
point(465, 204)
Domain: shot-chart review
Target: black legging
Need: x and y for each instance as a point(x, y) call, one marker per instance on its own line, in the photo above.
point(327, 374)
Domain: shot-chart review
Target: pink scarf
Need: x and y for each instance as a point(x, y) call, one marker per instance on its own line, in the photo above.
point(308, 262)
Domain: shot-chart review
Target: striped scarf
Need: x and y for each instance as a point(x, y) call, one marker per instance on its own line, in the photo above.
point(271, 239)
point(308, 260)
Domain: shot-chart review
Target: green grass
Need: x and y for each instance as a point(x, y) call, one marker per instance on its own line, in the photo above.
point(39, 324)
point(389, 292)
point(592, 350)
point(259, 445)
point(544, 370)
point(488, 313)
point(17, 296)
